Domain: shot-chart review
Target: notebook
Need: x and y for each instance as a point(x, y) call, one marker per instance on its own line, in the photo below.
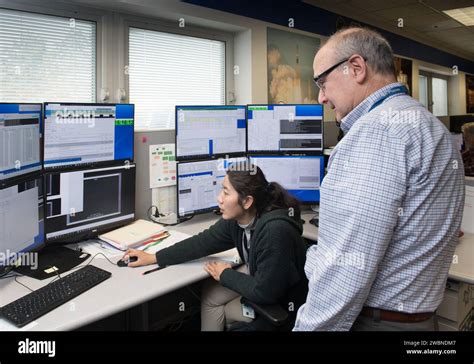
point(133, 235)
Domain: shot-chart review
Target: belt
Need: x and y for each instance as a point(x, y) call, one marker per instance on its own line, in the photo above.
point(395, 316)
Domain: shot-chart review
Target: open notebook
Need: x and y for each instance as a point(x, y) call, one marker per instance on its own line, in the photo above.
point(133, 235)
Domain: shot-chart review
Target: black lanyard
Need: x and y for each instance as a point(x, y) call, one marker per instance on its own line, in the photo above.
point(246, 245)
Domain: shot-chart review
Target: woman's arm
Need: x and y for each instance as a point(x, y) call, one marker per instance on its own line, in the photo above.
point(276, 271)
point(213, 240)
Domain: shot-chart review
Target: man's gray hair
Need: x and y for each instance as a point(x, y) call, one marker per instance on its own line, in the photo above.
point(366, 42)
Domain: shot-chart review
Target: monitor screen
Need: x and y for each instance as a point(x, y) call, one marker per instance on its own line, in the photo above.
point(20, 147)
point(300, 175)
point(84, 203)
point(87, 134)
point(21, 220)
point(199, 184)
point(208, 131)
point(285, 128)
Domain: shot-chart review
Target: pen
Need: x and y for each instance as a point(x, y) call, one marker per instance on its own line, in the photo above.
point(153, 270)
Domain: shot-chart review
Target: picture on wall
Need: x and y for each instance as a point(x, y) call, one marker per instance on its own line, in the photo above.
point(290, 67)
point(403, 71)
point(469, 94)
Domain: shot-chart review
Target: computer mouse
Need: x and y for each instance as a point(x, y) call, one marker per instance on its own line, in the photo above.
point(124, 263)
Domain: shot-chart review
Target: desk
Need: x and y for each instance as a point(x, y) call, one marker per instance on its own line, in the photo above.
point(461, 270)
point(125, 289)
point(128, 288)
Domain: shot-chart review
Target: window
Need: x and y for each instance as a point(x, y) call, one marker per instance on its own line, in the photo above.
point(166, 70)
point(46, 58)
point(434, 92)
point(423, 90)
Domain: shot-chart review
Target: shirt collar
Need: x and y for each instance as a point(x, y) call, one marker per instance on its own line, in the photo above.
point(365, 105)
point(250, 225)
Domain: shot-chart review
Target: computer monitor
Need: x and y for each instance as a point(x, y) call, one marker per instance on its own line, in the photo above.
point(21, 222)
point(300, 175)
point(199, 184)
point(20, 135)
point(281, 129)
point(210, 131)
point(87, 135)
point(84, 203)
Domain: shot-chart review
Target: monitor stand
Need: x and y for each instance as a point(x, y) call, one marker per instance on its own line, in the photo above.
point(53, 260)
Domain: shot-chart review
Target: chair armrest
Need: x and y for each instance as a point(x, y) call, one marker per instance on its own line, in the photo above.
point(273, 313)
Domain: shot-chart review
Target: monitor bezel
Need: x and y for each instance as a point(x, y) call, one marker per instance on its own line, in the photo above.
point(75, 237)
point(30, 174)
point(196, 157)
point(37, 248)
point(71, 167)
point(321, 171)
point(200, 211)
point(287, 152)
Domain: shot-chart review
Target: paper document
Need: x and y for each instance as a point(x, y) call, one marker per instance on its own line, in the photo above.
point(162, 165)
point(175, 237)
point(133, 235)
point(94, 247)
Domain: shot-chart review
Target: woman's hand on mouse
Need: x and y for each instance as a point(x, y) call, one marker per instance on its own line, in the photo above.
point(215, 269)
point(143, 258)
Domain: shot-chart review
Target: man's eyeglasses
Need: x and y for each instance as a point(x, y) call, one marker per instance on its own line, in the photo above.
point(321, 78)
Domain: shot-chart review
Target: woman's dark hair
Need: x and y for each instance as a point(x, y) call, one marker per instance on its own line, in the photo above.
point(249, 180)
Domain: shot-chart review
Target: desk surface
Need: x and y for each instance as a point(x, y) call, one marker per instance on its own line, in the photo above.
point(462, 268)
point(128, 287)
point(125, 289)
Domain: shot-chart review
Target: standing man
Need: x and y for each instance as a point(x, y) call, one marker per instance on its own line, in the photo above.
point(391, 202)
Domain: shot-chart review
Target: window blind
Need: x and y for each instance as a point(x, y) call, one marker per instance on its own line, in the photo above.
point(46, 58)
point(166, 70)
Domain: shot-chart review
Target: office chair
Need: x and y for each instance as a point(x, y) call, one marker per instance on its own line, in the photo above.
point(274, 317)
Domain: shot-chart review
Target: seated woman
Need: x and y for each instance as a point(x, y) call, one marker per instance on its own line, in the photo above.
point(260, 219)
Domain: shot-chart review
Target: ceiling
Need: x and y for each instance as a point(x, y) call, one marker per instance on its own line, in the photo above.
point(423, 20)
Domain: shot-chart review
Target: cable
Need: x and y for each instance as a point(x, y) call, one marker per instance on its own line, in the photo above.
point(156, 214)
point(8, 269)
point(85, 265)
point(11, 276)
point(154, 217)
point(17, 281)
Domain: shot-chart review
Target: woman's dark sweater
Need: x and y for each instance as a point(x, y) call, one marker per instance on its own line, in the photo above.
point(276, 257)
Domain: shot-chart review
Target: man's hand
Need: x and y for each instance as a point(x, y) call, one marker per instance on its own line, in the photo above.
point(215, 269)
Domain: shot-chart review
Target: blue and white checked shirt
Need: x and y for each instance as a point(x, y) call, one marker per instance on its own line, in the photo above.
point(390, 212)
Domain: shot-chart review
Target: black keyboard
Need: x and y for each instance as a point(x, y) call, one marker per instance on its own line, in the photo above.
point(37, 303)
